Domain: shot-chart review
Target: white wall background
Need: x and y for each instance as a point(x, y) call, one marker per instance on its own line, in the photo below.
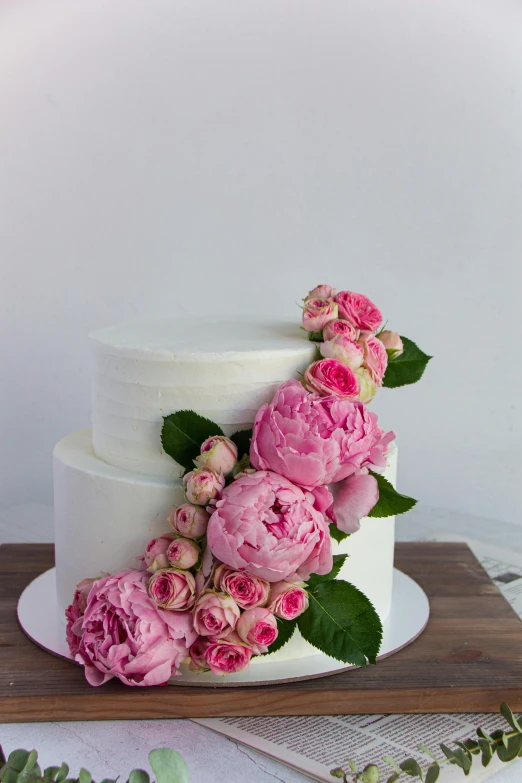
point(187, 157)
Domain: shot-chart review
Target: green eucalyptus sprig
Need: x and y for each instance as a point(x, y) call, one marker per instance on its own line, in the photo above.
point(21, 766)
point(505, 745)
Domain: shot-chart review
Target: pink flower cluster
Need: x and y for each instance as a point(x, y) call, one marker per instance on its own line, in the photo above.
point(355, 355)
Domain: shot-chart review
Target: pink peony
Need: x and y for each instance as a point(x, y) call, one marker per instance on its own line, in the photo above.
point(173, 589)
point(218, 453)
point(155, 556)
point(246, 590)
point(202, 485)
point(215, 614)
point(227, 656)
point(183, 553)
point(329, 376)
point(375, 357)
point(354, 498)
point(189, 521)
point(340, 328)
point(317, 313)
point(322, 292)
point(314, 440)
point(344, 350)
point(269, 527)
point(258, 628)
point(75, 612)
point(392, 342)
point(358, 310)
point(124, 635)
point(287, 600)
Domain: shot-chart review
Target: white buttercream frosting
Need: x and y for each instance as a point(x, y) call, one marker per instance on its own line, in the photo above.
point(224, 370)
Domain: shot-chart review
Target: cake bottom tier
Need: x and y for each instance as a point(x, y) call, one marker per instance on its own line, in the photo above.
point(105, 517)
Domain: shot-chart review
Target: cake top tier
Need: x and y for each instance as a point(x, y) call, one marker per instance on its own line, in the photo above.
point(200, 339)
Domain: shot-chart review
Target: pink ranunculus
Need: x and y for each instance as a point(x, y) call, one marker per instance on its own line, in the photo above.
point(74, 614)
point(197, 652)
point(203, 485)
point(322, 292)
point(314, 440)
point(354, 498)
point(340, 328)
point(329, 376)
point(218, 453)
point(269, 527)
point(173, 589)
point(317, 313)
point(358, 310)
point(344, 350)
point(155, 556)
point(215, 614)
point(125, 635)
point(189, 521)
point(228, 655)
point(367, 386)
point(392, 342)
point(288, 600)
point(258, 628)
point(183, 553)
point(375, 357)
point(247, 591)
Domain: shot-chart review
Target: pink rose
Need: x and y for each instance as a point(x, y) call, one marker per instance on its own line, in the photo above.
point(358, 310)
point(172, 589)
point(392, 342)
point(314, 440)
point(189, 521)
point(322, 292)
point(197, 652)
point(227, 656)
point(329, 376)
point(344, 350)
point(375, 358)
point(266, 525)
point(74, 614)
point(215, 614)
point(155, 556)
point(317, 313)
point(124, 635)
point(202, 485)
point(219, 454)
point(367, 386)
point(258, 628)
point(246, 590)
point(287, 600)
point(340, 328)
point(183, 553)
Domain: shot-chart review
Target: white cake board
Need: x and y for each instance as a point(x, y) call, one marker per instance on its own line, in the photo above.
point(39, 618)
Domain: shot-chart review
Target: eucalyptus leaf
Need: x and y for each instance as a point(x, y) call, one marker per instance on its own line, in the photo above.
point(394, 777)
point(62, 773)
point(31, 761)
point(338, 562)
point(183, 433)
point(508, 715)
point(337, 534)
point(84, 776)
point(168, 766)
point(390, 501)
point(18, 759)
point(50, 773)
point(432, 773)
point(389, 760)
point(514, 746)
point(487, 751)
point(242, 440)
point(411, 767)
point(370, 774)
point(406, 368)
point(428, 752)
point(139, 776)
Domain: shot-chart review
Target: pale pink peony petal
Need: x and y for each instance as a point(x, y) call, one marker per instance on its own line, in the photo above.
point(354, 498)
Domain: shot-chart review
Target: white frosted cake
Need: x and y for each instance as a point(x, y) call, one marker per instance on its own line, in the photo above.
point(115, 487)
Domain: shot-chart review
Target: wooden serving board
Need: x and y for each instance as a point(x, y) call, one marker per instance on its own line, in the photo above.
point(469, 658)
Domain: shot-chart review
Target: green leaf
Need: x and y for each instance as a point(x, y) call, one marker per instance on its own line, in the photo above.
point(183, 433)
point(432, 773)
point(469, 745)
point(392, 763)
point(370, 774)
point(487, 751)
point(393, 778)
point(168, 766)
point(508, 715)
point(406, 368)
point(315, 579)
point(139, 776)
point(514, 746)
point(428, 752)
point(84, 776)
point(337, 534)
point(242, 440)
point(285, 630)
point(315, 337)
point(62, 773)
point(411, 767)
point(109, 780)
point(18, 759)
point(390, 501)
point(50, 773)
point(341, 622)
point(337, 772)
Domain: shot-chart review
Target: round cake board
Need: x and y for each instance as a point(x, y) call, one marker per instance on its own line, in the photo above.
point(40, 620)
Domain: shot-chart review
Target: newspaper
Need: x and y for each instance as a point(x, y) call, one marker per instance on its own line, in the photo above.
point(316, 744)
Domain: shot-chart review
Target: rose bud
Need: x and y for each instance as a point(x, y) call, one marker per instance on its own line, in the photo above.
point(227, 656)
point(322, 292)
point(215, 614)
point(246, 590)
point(392, 342)
point(183, 553)
point(189, 521)
point(331, 377)
point(202, 485)
point(375, 357)
point(197, 652)
point(172, 589)
point(219, 454)
point(341, 328)
point(367, 387)
point(344, 350)
point(155, 556)
point(258, 628)
point(287, 600)
point(317, 313)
